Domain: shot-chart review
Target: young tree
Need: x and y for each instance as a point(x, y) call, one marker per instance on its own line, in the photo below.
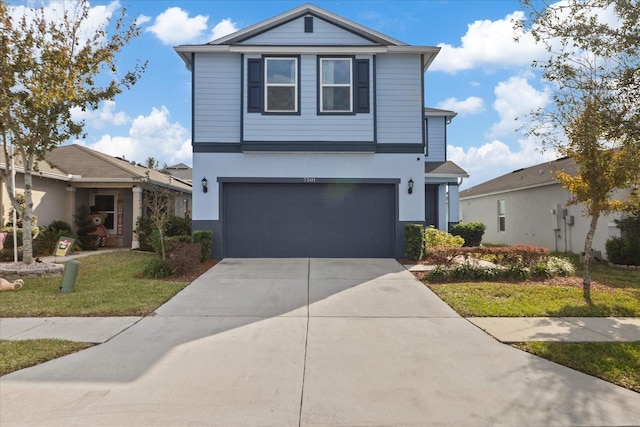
point(48, 66)
point(158, 202)
point(593, 71)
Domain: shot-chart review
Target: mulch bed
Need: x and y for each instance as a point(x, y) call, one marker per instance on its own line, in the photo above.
point(192, 275)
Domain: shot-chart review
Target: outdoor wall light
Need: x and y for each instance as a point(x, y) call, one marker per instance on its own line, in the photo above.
point(204, 185)
point(410, 186)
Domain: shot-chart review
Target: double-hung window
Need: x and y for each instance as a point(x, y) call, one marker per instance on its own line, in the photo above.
point(336, 85)
point(502, 215)
point(281, 85)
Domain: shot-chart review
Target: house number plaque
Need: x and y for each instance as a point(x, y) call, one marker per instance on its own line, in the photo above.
point(309, 179)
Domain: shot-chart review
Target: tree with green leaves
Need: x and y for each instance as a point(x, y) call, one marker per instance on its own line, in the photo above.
point(593, 71)
point(49, 66)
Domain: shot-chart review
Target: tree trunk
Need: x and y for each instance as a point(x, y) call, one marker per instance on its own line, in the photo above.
point(586, 278)
point(27, 236)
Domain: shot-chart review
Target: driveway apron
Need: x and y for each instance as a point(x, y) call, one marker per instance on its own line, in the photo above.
point(308, 342)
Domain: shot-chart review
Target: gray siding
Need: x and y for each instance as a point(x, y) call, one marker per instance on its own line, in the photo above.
point(216, 97)
point(292, 33)
point(308, 125)
point(436, 139)
point(399, 98)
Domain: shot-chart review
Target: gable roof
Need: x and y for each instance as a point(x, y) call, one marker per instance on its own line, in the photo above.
point(307, 9)
point(534, 176)
point(81, 164)
point(380, 43)
point(180, 171)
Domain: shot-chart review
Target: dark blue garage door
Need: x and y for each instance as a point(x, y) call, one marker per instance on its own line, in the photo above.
point(308, 220)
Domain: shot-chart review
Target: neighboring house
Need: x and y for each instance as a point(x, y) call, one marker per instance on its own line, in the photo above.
point(81, 176)
point(310, 139)
point(529, 207)
point(180, 171)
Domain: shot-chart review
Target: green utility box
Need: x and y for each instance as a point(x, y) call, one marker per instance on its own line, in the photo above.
point(68, 283)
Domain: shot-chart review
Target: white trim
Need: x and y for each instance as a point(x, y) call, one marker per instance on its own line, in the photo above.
point(336, 85)
point(267, 85)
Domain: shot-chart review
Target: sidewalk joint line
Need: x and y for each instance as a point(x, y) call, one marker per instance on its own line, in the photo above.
point(306, 341)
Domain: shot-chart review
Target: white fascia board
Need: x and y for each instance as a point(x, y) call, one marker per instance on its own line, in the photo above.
point(429, 52)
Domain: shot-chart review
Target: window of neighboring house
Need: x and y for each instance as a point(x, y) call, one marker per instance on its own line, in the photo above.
point(336, 89)
point(106, 203)
point(502, 215)
point(281, 85)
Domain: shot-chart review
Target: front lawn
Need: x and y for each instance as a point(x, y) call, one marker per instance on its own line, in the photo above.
point(108, 284)
point(618, 363)
point(15, 355)
point(487, 299)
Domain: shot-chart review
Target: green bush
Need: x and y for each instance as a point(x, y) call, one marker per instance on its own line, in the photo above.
point(471, 232)
point(182, 255)
point(48, 238)
point(414, 241)
point(435, 238)
point(625, 250)
point(205, 238)
point(156, 269)
point(144, 228)
point(177, 226)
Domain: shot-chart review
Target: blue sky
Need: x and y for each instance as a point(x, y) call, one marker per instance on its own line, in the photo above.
point(480, 72)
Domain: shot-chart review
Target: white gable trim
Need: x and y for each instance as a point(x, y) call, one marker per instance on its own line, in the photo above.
point(300, 11)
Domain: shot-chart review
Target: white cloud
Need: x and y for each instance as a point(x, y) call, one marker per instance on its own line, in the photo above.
point(102, 117)
point(489, 45)
point(471, 105)
point(174, 26)
point(223, 28)
point(54, 11)
point(154, 136)
point(515, 97)
point(496, 158)
point(142, 19)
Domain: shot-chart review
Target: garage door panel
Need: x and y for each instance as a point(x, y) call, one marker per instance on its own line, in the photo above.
point(308, 220)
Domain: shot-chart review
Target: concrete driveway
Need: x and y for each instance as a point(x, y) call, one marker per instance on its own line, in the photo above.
point(308, 342)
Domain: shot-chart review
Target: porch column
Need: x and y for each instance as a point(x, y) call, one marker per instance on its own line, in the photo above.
point(454, 203)
point(69, 205)
point(442, 208)
point(136, 213)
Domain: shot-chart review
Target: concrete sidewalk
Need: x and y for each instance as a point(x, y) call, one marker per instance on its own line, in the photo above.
point(504, 329)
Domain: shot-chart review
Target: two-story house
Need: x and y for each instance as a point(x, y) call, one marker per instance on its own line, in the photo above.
point(310, 139)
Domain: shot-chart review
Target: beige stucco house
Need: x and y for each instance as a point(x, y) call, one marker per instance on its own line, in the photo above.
point(77, 175)
point(529, 207)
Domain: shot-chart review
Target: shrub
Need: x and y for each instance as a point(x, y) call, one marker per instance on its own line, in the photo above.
point(156, 269)
point(182, 255)
point(177, 226)
point(435, 238)
point(85, 227)
point(625, 250)
point(48, 238)
point(144, 228)
point(471, 232)
point(414, 240)
point(205, 238)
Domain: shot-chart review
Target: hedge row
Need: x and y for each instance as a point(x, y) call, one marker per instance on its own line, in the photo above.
point(527, 256)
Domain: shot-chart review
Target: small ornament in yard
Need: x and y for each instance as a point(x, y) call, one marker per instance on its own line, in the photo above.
point(6, 285)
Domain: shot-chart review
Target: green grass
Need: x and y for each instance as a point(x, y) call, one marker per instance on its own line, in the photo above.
point(108, 284)
point(15, 355)
point(618, 363)
point(485, 299)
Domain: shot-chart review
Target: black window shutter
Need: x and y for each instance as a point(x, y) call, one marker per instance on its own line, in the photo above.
point(362, 86)
point(254, 85)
